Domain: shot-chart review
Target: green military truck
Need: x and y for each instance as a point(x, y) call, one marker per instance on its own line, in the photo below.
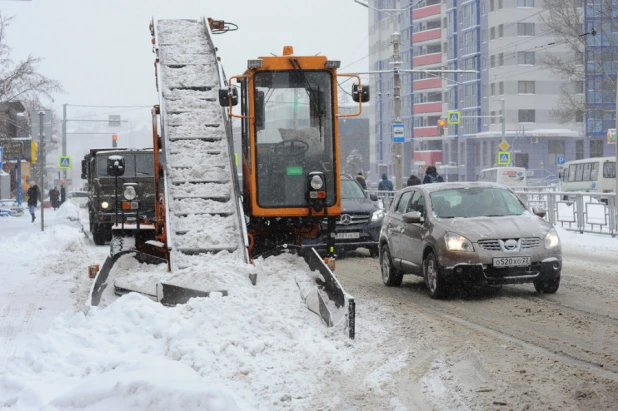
point(119, 204)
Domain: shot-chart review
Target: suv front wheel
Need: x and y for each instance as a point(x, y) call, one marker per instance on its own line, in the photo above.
point(390, 275)
point(436, 285)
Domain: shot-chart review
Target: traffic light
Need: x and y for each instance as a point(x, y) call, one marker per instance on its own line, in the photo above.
point(114, 140)
point(33, 152)
point(441, 126)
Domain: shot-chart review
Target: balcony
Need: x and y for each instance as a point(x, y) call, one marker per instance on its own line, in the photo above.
point(433, 34)
point(427, 11)
point(427, 83)
point(433, 107)
point(434, 58)
point(431, 131)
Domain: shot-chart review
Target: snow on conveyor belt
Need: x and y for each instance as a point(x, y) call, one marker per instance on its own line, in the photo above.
point(203, 218)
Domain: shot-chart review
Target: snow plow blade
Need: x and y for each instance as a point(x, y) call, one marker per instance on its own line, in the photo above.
point(331, 287)
point(167, 294)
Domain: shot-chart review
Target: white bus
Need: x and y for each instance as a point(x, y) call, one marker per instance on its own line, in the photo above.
point(590, 175)
point(509, 176)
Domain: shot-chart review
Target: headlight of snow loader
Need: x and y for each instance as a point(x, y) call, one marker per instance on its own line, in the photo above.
point(104, 205)
point(316, 190)
point(130, 193)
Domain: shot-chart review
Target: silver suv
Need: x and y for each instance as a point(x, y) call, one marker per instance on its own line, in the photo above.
point(475, 232)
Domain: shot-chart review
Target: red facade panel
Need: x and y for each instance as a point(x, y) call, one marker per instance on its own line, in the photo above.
point(428, 108)
point(427, 35)
point(430, 157)
point(426, 11)
point(426, 132)
point(427, 83)
point(426, 59)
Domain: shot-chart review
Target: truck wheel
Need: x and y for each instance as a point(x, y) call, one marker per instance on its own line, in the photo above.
point(436, 285)
point(99, 234)
point(390, 275)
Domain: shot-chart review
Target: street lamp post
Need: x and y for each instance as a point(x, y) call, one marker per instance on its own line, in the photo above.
point(42, 168)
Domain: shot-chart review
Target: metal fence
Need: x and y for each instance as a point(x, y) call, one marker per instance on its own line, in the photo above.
point(575, 211)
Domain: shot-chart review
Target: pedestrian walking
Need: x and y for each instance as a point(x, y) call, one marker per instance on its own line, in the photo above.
point(361, 180)
point(54, 196)
point(414, 180)
point(432, 176)
point(385, 184)
point(63, 194)
point(33, 197)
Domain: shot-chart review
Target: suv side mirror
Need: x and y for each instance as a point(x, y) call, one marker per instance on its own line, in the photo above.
point(412, 217)
point(373, 197)
point(540, 211)
point(362, 94)
point(115, 166)
point(224, 95)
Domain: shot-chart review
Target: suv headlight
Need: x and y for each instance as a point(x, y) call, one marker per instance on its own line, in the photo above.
point(455, 242)
point(551, 239)
point(316, 182)
point(130, 193)
point(377, 215)
point(104, 205)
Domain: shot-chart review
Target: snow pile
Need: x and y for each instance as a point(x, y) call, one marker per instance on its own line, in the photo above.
point(69, 211)
point(256, 343)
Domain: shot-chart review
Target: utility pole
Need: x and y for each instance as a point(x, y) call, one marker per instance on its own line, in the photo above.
point(503, 120)
point(616, 168)
point(42, 168)
point(64, 136)
point(397, 147)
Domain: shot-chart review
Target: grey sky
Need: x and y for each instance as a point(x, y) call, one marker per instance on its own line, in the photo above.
point(100, 50)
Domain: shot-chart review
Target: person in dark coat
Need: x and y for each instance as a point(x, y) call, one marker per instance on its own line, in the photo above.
point(414, 180)
point(33, 197)
point(432, 176)
point(385, 184)
point(361, 180)
point(54, 196)
point(63, 194)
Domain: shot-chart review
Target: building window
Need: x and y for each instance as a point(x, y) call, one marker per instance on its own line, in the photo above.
point(501, 59)
point(501, 30)
point(493, 89)
point(501, 88)
point(525, 87)
point(579, 58)
point(525, 29)
point(525, 3)
point(596, 148)
point(579, 116)
point(527, 116)
point(525, 57)
point(493, 118)
point(555, 149)
point(499, 4)
point(579, 87)
point(492, 60)
point(492, 33)
point(491, 5)
point(579, 149)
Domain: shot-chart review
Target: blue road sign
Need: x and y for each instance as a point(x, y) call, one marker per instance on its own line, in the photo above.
point(1, 156)
point(453, 117)
point(504, 157)
point(560, 160)
point(399, 135)
point(64, 162)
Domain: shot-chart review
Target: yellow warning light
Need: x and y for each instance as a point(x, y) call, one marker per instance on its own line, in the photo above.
point(288, 50)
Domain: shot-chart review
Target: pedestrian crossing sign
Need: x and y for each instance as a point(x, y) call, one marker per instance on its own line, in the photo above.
point(453, 117)
point(64, 162)
point(504, 157)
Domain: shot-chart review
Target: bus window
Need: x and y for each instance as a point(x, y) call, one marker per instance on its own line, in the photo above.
point(586, 176)
point(609, 170)
point(579, 172)
point(594, 172)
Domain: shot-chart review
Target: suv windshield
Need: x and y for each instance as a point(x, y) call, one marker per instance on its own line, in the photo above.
point(351, 189)
point(475, 202)
point(136, 165)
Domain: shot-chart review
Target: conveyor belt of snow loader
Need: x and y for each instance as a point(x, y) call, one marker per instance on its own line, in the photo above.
point(201, 184)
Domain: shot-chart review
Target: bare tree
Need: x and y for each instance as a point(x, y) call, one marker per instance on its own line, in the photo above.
point(565, 18)
point(21, 81)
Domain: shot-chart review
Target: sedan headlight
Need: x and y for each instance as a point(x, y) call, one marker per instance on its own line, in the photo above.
point(104, 205)
point(316, 182)
point(551, 239)
point(130, 193)
point(455, 242)
point(377, 215)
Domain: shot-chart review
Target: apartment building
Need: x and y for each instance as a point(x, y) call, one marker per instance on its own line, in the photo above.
point(505, 41)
